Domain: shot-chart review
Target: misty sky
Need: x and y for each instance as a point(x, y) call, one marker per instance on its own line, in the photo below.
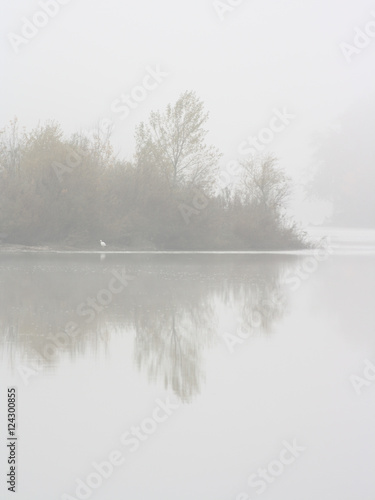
point(263, 55)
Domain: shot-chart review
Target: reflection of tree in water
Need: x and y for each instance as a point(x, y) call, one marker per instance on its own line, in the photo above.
point(38, 299)
point(172, 305)
point(255, 292)
point(263, 304)
point(173, 329)
point(169, 345)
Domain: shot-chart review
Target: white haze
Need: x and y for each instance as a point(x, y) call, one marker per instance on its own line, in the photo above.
point(263, 55)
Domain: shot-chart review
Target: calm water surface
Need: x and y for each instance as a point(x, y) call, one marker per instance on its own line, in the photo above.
point(251, 351)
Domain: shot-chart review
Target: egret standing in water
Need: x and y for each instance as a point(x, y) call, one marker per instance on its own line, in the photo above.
point(102, 244)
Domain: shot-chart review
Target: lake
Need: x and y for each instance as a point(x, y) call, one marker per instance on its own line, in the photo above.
point(192, 376)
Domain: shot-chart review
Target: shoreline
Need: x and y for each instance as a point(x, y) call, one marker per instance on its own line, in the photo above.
point(18, 249)
point(339, 240)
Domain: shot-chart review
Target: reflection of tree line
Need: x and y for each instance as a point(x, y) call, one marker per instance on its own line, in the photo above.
point(171, 305)
point(169, 345)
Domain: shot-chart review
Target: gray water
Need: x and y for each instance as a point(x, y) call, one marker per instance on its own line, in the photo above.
point(250, 350)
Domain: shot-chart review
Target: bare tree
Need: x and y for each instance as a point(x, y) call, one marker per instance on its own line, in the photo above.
point(174, 142)
point(266, 185)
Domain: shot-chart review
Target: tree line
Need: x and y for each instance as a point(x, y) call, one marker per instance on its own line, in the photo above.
point(73, 191)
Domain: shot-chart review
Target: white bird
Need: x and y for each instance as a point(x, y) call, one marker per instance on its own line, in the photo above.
point(102, 243)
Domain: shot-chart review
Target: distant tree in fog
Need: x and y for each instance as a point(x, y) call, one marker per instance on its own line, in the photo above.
point(175, 143)
point(266, 185)
point(262, 200)
point(75, 191)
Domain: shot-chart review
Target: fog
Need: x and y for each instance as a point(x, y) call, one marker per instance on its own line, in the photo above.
point(187, 250)
point(243, 61)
